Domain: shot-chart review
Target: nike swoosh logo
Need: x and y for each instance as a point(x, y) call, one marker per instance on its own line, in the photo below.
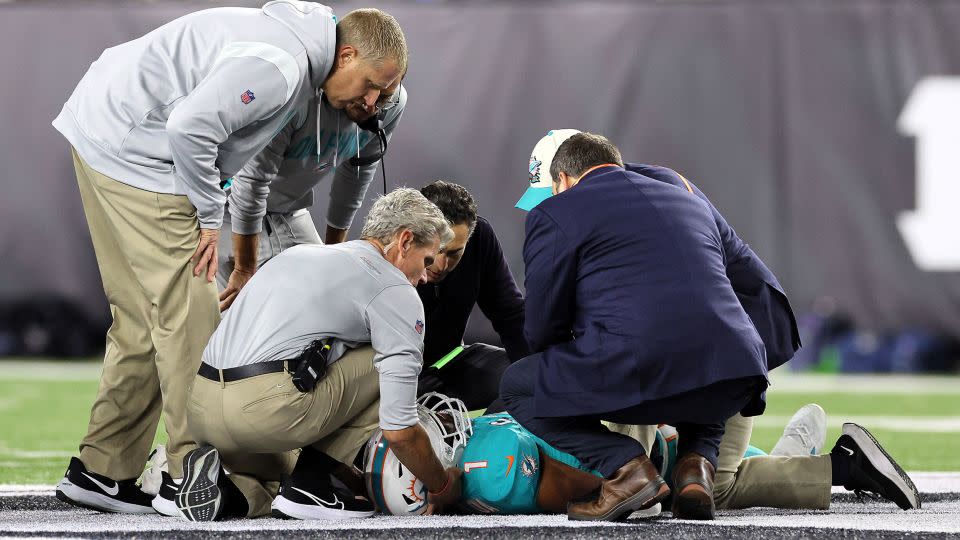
point(322, 502)
point(849, 451)
point(509, 466)
point(108, 490)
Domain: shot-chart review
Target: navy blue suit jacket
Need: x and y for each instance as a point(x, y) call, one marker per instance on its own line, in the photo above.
point(628, 296)
point(759, 291)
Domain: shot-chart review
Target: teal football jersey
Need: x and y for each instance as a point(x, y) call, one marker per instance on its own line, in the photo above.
point(501, 466)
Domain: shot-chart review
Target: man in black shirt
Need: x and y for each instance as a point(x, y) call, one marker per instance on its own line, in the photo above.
point(470, 270)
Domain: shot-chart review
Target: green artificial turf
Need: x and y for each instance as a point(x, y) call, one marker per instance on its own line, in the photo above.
point(45, 406)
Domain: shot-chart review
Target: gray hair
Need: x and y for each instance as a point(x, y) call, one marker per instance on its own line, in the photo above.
point(581, 152)
point(406, 208)
point(376, 35)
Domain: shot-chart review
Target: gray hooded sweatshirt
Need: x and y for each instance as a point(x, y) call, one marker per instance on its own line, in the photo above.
point(187, 105)
point(302, 155)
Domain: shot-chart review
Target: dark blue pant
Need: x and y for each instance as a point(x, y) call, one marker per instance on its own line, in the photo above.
point(698, 415)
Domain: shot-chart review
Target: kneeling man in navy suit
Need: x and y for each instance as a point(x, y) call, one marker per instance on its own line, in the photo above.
point(633, 320)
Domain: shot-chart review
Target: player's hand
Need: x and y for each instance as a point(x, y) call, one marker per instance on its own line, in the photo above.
point(449, 495)
point(205, 258)
point(238, 278)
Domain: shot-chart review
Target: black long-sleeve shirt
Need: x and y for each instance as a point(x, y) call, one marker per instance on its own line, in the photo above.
point(482, 278)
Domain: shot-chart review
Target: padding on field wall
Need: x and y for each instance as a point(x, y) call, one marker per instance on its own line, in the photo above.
point(789, 115)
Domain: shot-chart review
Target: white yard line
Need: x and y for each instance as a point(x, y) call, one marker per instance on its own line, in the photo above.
point(924, 424)
point(926, 482)
point(45, 370)
point(784, 381)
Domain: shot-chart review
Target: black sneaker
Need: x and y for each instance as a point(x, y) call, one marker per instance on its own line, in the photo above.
point(165, 502)
point(86, 489)
point(318, 501)
point(872, 470)
point(199, 498)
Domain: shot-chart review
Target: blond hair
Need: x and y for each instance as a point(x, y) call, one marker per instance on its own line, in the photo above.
point(376, 35)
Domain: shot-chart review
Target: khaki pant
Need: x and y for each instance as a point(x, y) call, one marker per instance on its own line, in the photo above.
point(773, 481)
point(258, 424)
point(162, 319)
point(646, 434)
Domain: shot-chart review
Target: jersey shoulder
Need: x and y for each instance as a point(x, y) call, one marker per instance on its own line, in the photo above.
point(501, 466)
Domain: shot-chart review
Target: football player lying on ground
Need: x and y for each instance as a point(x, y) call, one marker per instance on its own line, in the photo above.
point(507, 469)
point(857, 461)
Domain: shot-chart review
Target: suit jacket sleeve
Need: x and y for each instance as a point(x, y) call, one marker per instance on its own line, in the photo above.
point(551, 269)
point(499, 298)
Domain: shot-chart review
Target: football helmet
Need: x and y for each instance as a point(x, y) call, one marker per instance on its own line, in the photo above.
point(391, 486)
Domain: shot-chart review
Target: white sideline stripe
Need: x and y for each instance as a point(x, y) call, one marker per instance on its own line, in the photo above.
point(926, 482)
point(919, 424)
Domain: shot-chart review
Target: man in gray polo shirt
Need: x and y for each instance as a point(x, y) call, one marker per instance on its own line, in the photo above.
point(359, 299)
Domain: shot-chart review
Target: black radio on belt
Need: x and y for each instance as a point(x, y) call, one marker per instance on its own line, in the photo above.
point(310, 366)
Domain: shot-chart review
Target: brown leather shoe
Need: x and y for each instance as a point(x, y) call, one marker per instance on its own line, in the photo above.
point(693, 488)
point(635, 486)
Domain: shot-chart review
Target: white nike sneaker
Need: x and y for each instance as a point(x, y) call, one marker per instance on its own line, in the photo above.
point(804, 434)
point(152, 478)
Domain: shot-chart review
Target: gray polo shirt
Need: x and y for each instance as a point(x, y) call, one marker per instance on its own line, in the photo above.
point(347, 292)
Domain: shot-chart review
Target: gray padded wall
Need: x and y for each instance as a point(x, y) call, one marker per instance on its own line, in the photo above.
point(784, 113)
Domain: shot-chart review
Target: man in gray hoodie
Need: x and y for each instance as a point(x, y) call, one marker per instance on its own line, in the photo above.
point(343, 144)
point(155, 125)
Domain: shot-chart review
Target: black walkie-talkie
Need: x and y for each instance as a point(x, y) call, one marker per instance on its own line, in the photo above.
point(311, 366)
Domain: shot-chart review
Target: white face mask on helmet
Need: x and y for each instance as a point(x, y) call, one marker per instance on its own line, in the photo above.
point(392, 486)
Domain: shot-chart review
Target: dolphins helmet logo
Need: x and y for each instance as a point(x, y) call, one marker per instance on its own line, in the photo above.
point(535, 169)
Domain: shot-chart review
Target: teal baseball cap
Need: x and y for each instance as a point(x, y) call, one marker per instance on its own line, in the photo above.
point(540, 183)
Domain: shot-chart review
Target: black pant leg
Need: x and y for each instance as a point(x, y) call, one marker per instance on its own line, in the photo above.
point(473, 376)
point(584, 437)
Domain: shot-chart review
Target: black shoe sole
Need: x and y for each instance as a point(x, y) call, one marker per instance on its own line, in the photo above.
point(198, 498)
point(63, 497)
point(896, 479)
point(643, 499)
point(688, 507)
